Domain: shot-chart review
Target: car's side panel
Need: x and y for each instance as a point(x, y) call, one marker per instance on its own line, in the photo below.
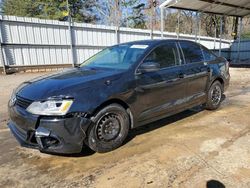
point(160, 92)
point(196, 72)
point(197, 75)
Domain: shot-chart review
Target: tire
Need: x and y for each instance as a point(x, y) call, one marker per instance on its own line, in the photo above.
point(214, 96)
point(109, 129)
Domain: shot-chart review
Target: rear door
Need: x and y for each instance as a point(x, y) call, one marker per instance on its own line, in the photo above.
point(196, 72)
point(164, 90)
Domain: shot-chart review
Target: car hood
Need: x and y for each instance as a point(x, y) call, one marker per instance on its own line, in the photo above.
point(65, 83)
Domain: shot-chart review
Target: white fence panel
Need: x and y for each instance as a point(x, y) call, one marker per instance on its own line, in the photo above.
point(32, 41)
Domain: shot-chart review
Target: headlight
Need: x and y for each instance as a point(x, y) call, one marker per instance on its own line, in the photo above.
point(50, 107)
point(12, 99)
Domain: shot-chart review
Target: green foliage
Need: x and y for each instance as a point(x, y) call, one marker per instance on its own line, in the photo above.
point(18, 7)
point(128, 3)
point(246, 35)
point(80, 10)
point(136, 18)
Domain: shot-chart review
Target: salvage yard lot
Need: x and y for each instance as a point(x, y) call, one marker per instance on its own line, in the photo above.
point(186, 150)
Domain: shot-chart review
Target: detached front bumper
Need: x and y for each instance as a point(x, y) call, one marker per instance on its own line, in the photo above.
point(48, 134)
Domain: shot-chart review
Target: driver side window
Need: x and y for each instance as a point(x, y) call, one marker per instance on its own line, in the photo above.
point(165, 55)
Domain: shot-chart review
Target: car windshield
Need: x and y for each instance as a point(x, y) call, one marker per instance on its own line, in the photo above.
point(117, 57)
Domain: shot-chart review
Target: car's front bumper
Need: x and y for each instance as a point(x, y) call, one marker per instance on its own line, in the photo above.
point(48, 134)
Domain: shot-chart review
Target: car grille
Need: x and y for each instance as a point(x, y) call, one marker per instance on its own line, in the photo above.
point(22, 102)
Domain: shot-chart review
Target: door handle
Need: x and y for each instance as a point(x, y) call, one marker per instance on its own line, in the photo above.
point(181, 75)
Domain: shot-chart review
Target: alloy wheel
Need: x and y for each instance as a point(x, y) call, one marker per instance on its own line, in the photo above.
point(216, 95)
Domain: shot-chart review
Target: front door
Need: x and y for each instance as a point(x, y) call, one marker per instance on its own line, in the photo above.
point(164, 90)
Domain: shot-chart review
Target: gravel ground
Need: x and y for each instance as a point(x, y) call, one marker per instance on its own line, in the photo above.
point(196, 148)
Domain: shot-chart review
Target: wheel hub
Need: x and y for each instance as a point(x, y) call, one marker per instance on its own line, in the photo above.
point(108, 127)
point(216, 95)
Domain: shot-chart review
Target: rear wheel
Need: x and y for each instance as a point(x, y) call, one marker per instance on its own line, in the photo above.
point(214, 96)
point(109, 130)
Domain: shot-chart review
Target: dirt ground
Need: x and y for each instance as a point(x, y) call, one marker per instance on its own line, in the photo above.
point(196, 148)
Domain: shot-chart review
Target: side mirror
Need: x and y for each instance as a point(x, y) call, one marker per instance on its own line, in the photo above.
point(149, 67)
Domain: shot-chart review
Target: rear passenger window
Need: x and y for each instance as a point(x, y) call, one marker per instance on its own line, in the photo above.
point(166, 55)
point(208, 56)
point(192, 52)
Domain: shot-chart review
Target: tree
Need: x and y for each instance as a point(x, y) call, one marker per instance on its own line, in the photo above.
point(134, 13)
point(84, 10)
point(80, 10)
point(110, 12)
point(138, 17)
point(246, 28)
point(235, 27)
point(18, 7)
point(126, 6)
point(128, 13)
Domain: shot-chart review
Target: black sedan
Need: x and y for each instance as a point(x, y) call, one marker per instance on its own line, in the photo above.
point(118, 89)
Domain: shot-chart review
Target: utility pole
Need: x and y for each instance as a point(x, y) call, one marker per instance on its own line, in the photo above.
point(117, 13)
point(152, 10)
point(70, 35)
point(178, 24)
point(162, 21)
point(221, 30)
point(117, 20)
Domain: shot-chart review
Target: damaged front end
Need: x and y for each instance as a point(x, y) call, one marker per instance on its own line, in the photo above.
point(54, 134)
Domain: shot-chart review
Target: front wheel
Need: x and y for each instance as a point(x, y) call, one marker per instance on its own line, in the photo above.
point(109, 130)
point(214, 96)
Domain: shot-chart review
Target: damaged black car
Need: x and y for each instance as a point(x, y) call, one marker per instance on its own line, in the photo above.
point(118, 89)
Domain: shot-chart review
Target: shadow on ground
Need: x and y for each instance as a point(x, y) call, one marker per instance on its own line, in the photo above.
point(86, 151)
point(215, 184)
